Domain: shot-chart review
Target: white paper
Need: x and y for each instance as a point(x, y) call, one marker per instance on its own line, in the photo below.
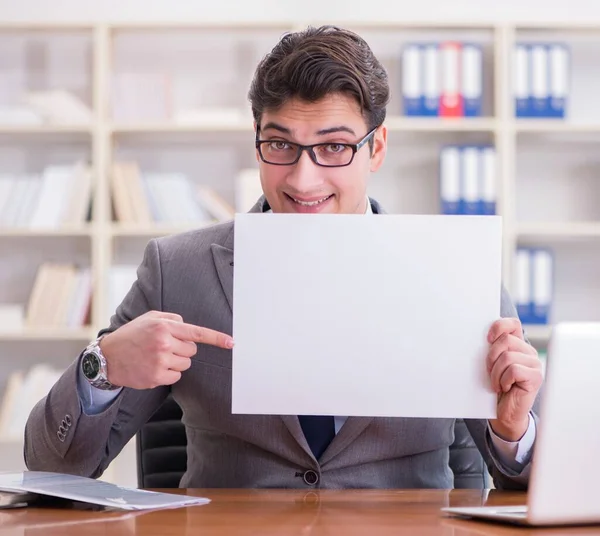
point(356, 315)
point(93, 491)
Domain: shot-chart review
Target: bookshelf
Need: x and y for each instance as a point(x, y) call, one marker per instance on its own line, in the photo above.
point(60, 334)
point(204, 130)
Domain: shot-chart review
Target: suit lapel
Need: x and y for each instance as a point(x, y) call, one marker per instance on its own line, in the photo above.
point(223, 259)
point(293, 425)
point(351, 429)
point(223, 256)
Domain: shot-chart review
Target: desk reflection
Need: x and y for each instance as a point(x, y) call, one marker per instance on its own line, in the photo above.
point(347, 512)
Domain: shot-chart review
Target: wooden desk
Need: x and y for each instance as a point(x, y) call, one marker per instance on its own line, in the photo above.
point(275, 512)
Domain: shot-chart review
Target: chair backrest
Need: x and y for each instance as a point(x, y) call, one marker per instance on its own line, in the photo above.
point(161, 448)
point(162, 457)
point(466, 462)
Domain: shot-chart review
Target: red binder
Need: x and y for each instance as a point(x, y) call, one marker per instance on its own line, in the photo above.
point(451, 99)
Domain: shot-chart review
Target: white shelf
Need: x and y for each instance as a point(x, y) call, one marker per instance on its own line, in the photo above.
point(49, 334)
point(46, 25)
point(196, 25)
point(146, 231)
point(46, 129)
point(66, 232)
point(293, 24)
point(394, 124)
point(437, 124)
point(552, 230)
point(543, 126)
point(559, 26)
point(105, 135)
point(173, 128)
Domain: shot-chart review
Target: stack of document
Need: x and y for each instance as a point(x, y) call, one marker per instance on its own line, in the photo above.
point(78, 488)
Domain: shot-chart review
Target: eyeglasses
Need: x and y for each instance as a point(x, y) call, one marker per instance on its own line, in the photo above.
point(287, 153)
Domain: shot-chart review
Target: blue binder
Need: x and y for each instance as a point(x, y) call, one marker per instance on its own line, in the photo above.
point(543, 286)
point(522, 80)
point(559, 60)
point(540, 80)
point(450, 180)
point(470, 201)
point(412, 80)
point(430, 57)
point(523, 291)
point(472, 79)
point(488, 181)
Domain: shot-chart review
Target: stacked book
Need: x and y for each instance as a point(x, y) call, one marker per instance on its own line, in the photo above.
point(121, 277)
point(47, 107)
point(24, 388)
point(142, 197)
point(60, 297)
point(59, 197)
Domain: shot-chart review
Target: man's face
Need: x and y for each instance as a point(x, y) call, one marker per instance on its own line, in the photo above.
point(306, 187)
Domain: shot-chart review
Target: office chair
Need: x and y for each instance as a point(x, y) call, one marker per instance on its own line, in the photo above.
point(161, 448)
point(470, 471)
point(162, 457)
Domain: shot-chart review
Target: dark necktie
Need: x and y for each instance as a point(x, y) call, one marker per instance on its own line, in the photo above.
point(319, 430)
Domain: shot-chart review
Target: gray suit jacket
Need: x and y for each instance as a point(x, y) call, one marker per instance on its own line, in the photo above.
point(192, 274)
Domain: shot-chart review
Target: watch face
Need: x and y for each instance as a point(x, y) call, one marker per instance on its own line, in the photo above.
point(90, 365)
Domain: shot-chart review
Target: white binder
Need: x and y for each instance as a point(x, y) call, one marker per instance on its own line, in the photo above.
point(450, 180)
point(559, 79)
point(431, 80)
point(412, 87)
point(522, 81)
point(472, 79)
point(470, 180)
point(523, 290)
point(540, 82)
point(542, 285)
point(488, 188)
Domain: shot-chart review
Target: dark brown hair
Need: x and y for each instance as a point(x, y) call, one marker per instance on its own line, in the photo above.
point(316, 62)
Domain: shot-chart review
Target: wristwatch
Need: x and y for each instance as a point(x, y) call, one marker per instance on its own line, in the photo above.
point(93, 367)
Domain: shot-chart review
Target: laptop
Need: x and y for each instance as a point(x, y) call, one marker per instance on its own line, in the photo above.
point(565, 474)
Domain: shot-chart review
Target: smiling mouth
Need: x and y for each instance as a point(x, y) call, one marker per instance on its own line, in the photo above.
point(309, 203)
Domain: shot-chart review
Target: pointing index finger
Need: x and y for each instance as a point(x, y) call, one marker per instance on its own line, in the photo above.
point(191, 332)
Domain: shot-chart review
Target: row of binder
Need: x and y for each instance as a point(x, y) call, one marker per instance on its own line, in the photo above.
point(445, 79)
point(468, 179)
point(442, 79)
point(534, 284)
point(541, 79)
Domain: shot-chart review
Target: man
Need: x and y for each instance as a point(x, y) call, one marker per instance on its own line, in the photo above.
point(319, 103)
